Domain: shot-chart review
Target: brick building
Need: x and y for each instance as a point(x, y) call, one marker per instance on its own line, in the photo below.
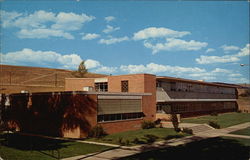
point(117, 103)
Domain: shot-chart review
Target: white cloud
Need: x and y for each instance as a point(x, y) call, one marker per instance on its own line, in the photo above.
point(235, 75)
point(112, 40)
point(224, 59)
point(48, 58)
point(43, 33)
point(175, 45)
point(109, 18)
point(48, 23)
point(154, 32)
point(158, 68)
point(227, 48)
point(105, 69)
point(90, 63)
point(210, 50)
point(110, 29)
point(90, 36)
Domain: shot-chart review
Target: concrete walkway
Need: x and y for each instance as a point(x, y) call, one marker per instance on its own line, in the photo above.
point(124, 151)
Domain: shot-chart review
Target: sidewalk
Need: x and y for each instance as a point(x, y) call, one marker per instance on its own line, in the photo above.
point(125, 151)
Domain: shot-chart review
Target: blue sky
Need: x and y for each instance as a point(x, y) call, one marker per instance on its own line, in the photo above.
point(193, 39)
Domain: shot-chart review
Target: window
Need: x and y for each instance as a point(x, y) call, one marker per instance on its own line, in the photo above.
point(124, 86)
point(101, 87)
point(172, 86)
point(120, 116)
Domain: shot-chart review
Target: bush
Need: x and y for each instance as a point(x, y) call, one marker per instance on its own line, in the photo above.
point(151, 138)
point(187, 130)
point(214, 114)
point(136, 141)
point(147, 125)
point(214, 124)
point(97, 132)
point(173, 136)
point(120, 141)
point(127, 142)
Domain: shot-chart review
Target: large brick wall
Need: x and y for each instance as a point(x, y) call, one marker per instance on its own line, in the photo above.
point(77, 84)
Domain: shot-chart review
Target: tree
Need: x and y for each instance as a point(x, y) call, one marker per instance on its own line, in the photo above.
point(82, 70)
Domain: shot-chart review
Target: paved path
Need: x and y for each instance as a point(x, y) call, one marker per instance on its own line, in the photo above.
point(124, 151)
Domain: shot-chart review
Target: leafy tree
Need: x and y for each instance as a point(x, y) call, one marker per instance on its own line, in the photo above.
point(82, 70)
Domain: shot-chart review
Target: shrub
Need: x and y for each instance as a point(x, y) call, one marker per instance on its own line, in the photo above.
point(214, 114)
point(120, 141)
point(136, 141)
point(127, 142)
point(214, 124)
point(187, 130)
point(97, 132)
point(173, 136)
point(150, 138)
point(147, 125)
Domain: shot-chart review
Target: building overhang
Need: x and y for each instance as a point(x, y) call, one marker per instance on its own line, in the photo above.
point(198, 100)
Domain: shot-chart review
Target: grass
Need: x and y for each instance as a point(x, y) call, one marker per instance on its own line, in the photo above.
point(140, 135)
point(219, 148)
point(224, 120)
point(245, 132)
point(17, 147)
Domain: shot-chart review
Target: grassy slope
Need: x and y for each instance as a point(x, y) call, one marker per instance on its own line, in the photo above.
point(224, 120)
point(161, 133)
point(13, 79)
point(245, 131)
point(29, 148)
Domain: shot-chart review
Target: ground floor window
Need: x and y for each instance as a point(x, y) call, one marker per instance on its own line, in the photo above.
point(121, 116)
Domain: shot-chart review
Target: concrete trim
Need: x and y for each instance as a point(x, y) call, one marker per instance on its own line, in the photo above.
point(118, 97)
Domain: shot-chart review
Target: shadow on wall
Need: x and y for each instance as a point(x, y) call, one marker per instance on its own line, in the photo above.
point(49, 113)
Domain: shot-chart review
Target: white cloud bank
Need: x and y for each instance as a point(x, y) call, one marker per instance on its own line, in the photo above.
point(154, 32)
point(175, 45)
point(227, 48)
point(110, 29)
point(90, 36)
point(210, 50)
point(109, 18)
point(224, 59)
point(172, 40)
point(113, 40)
point(43, 24)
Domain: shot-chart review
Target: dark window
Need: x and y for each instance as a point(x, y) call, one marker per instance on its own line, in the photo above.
point(124, 86)
point(121, 116)
point(101, 87)
point(173, 86)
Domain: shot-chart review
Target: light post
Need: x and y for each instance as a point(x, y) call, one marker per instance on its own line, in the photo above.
point(244, 65)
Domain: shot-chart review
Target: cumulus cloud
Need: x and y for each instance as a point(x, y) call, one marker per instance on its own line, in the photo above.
point(113, 40)
point(50, 23)
point(224, 59)
point(90, 36)
point(48, 58)
point(161, 32)
point(110, 29)
point(158, 68)
point(90, 63)
point(43, 33)
point(175, 45)
point(109, 18)
point(210, 50)
point(227, 48)
point(105, 69)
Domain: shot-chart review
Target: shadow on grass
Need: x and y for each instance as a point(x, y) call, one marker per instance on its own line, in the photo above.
point(208, 149)
point(47, 146)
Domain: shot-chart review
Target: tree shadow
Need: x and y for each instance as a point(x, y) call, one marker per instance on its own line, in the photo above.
point(213, 148)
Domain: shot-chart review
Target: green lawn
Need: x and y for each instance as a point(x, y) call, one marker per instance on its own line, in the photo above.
point(19, 147)
point(128, 138)
point(224, 120)
point(219, 148)
point(245, 131)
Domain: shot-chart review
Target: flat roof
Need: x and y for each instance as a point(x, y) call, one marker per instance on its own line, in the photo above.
point(165, 78)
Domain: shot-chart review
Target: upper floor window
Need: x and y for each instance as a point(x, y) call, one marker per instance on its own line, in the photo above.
point(101, 87)
point(124, 86)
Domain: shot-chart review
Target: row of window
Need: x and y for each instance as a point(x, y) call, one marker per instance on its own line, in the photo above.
point(121, 116)
point(188, 87)
point(103, 86)
point(190, 107)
